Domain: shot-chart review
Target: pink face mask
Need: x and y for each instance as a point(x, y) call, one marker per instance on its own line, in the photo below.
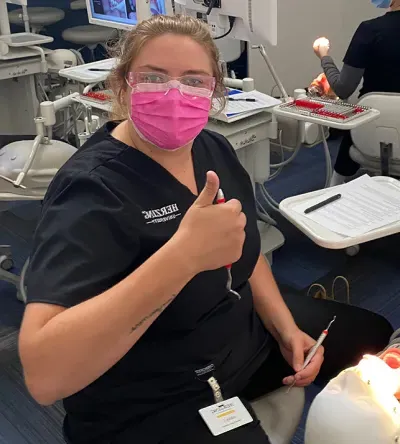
point(169, 119)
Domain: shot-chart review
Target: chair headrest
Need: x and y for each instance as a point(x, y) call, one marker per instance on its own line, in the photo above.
point(386, 128)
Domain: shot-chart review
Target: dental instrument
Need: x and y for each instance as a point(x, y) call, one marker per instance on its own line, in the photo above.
point(314, 349)
point(221, 200)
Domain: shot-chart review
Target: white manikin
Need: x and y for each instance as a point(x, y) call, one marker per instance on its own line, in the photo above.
point(359, 406)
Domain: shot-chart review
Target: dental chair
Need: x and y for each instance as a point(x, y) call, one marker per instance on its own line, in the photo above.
point(376, 145)
point(39, 17)
point(26, 169)
point(89, 36)
point(76, 5)
point(280, 413)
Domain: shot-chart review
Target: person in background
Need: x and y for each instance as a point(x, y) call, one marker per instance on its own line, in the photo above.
point(374, 56)
point(116, 8)
point(128, 314)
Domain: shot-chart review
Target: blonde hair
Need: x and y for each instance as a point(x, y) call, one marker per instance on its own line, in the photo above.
point(128, 48)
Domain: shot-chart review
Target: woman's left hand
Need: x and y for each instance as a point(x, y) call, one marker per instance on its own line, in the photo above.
point(321, 47)
point(294, 348)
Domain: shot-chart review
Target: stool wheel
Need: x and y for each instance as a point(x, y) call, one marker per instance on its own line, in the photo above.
point(353, 250)
point(6, 263)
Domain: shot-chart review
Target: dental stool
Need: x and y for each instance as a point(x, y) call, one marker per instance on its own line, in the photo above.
point(89, 36)
point(376, 145)
point(39, 17)
point(77, 5)
point(280, 413)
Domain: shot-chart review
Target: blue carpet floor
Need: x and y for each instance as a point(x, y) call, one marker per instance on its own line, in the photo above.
point(373, 276)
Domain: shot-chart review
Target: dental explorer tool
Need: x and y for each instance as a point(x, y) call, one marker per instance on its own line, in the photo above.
point(221, 200)
point(314, 349)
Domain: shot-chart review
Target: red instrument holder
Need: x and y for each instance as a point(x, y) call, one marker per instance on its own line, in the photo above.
point(100, 96)
point(308, 104)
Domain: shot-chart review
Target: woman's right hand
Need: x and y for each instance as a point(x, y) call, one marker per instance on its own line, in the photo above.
point(212, 236)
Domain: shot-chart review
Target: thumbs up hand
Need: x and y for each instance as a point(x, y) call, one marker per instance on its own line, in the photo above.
point(212, 235)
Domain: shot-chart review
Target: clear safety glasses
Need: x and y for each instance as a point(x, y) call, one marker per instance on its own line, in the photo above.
point(192, 85)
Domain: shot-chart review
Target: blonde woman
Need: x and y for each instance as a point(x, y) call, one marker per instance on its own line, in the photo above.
point(128, 313)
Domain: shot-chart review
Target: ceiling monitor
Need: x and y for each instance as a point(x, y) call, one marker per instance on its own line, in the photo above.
point(123, 14)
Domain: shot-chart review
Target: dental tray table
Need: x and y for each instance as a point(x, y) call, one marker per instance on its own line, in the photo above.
point(90, 73)
point(323, 236)
point(23, 39)
point(326, 112)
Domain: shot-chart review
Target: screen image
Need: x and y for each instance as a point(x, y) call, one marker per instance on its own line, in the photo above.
point(122, 11)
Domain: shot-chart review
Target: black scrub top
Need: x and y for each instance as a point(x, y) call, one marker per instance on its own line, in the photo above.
point(108, 209)
point(375, 48)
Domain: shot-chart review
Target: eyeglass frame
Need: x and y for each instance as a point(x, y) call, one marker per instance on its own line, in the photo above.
point(170, 79)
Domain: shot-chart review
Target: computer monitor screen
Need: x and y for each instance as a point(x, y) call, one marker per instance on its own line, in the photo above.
point(123, 14)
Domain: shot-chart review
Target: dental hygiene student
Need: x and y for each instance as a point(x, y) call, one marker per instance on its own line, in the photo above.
point(128, 315)
point(374, 56)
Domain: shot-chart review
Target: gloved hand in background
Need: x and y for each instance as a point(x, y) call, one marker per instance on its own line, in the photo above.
point(320, 87)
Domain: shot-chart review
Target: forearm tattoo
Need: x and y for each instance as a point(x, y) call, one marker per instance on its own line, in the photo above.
point(155, 312)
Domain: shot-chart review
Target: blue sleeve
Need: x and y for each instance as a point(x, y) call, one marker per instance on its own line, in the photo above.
point(359, 52)
point(83, 244)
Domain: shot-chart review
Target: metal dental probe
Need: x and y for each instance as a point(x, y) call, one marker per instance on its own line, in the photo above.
point(314, 349)
point(221, 200)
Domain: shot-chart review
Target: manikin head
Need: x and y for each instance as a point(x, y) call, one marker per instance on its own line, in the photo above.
point(358, 406)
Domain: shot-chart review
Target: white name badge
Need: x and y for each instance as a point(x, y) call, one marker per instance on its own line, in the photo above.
point(225, 416)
